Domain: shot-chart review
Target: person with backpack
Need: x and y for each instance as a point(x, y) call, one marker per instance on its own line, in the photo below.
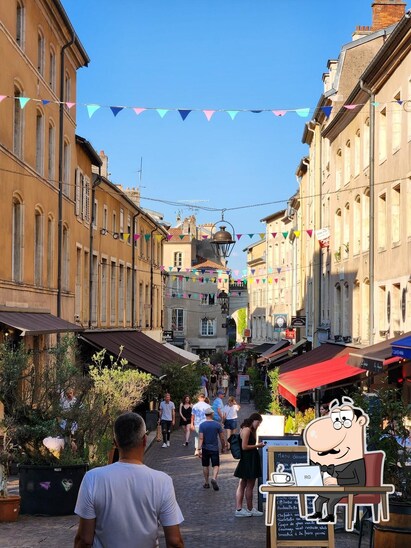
point(249, 467)
point(230, 415)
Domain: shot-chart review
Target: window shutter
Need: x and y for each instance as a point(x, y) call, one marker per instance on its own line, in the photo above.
point(78, 190)
point(86, 205)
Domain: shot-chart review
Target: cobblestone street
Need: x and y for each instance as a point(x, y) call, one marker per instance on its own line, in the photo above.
point(209, 515)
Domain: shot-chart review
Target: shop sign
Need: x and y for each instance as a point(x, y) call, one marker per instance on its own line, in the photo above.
point(168, 335)
point(298, 321)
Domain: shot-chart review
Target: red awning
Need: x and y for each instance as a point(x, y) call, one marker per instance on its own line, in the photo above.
point(319, 367)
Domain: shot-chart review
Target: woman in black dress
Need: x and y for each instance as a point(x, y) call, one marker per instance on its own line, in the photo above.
point(185, 417)
point(249, 467)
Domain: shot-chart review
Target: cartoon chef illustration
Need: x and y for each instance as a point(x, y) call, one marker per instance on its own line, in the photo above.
point(336, 442)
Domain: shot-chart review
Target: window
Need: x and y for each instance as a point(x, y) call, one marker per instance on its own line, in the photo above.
point(51, 152)
point(86, 287)
point(38, 248)
point(121, 223)
point(382, 299)
point(79, 183)
point(395, 214)
point(382, 135)
point(52, 69)
point(346, 230)
point(40, 53)
point(396, 115)
point(346, 319)
point(382, 221)
point(66, 168)
point(357, 151)
point(129, 237)
point(356, 312)
point(105, 217)
point(67, 88)
point(20, 24)
point(94, 218)
point(207, 328)
point(357, 225)
point(338, 223)
point(94, 288)
point(114, 220)
point(128, 299)
point(338, 311)
point(177, 319)
point(147, 306)
point(79, 277)
point(396, 308)
point(40, 142)
point(65, 259)
point(50, 251)
point(121, 294)
point(113, 293)
point(338, 169)
point(18, 123)
point(347, 162)
point(208, 299)
point(17, 239)
point(366, 144)
point(178, 259)
point(366, 220)
point(104, 273)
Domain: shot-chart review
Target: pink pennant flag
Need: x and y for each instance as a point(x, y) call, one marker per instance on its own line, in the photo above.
point(238, 236)
point(236, 272)
point(350, 107)
point(2, 97)
point(274, 234)
point(309, 232)
point(205, 237)
point(169, 236)
point(69, 105)
point(276, 280)
point(279, 112)
point(162, 268)
point(136, 237)
point(138, 110)
point(209, 114)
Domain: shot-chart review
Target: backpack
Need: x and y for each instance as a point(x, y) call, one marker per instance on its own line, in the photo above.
point(235, 445)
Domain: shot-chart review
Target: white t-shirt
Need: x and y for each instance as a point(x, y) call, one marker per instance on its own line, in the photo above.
point(198, 412)
point(230, 412)
point(128, 501)
point(167, 410)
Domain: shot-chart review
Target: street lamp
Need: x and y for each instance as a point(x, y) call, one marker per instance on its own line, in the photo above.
point(223, 239)
point(223, 300)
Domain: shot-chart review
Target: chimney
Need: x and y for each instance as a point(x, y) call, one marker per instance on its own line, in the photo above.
point(386, 13)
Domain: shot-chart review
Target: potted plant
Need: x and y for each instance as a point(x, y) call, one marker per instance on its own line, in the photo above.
point(59, 415)
point(388, 412)
point(9, 504)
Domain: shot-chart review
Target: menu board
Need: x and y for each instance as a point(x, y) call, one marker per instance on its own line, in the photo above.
point(290, 526)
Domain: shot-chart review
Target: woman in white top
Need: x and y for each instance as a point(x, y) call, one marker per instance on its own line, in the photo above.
point(230, 416)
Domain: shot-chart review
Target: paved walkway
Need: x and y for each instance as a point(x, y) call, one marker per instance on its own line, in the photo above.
point(209, 515)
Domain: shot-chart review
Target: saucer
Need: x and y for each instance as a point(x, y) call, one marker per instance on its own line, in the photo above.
point(285, 484)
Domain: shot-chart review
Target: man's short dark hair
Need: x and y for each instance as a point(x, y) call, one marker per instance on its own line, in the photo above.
point(129, 430)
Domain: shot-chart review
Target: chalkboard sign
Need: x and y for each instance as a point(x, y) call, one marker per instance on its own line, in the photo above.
point(289, 526)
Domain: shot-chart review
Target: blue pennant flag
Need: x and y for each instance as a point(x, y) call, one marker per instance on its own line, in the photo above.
point(327, 110)
point(184, 113)
point(116, 110)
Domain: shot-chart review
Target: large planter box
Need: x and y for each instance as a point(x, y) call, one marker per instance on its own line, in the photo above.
point(9, 508)
point(50, 491)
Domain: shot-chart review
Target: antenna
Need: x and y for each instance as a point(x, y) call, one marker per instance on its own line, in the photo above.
point(140, 174)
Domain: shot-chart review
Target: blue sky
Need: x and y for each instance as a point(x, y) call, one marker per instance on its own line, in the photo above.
point(207, 54)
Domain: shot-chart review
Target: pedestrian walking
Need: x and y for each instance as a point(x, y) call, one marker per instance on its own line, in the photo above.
point(167, 418)
point(230, 415)
point(224, 382)
point(249, 466)
point(122, 504)
point(324, 409)
point(197, 417)
point(185, 411)
point(218, 405)
point(213, 383)
point(210, 431)
point(204, 384)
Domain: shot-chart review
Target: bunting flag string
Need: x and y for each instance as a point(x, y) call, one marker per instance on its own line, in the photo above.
point(304, 112)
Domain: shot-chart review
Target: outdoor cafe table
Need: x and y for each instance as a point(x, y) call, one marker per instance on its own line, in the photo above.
point(348, 491)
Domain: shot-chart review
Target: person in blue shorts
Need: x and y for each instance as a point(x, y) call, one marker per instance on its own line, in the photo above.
point(209, 432)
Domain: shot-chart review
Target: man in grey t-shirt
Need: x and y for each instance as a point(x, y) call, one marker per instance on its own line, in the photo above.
point(167, 418)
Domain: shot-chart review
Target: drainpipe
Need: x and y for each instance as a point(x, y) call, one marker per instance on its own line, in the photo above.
point(372, 210)
point(60, 195)
point(151, 279)
point(91, 262)
point(133, 274)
